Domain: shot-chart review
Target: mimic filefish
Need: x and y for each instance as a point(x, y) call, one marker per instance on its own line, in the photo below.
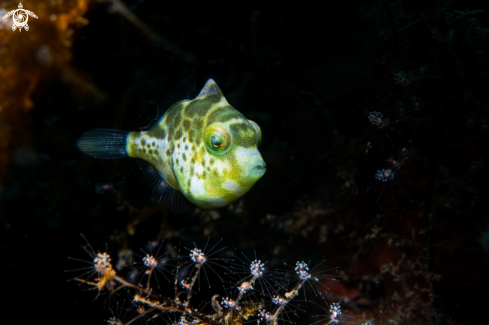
point(202, 148)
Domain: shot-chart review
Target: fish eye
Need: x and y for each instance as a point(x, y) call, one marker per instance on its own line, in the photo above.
point(217, 138)
point(216, 142)
point(258, 132)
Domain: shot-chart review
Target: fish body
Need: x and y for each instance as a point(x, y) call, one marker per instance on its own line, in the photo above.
point(203, 148)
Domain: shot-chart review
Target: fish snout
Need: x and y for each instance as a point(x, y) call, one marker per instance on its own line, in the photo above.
point(259, 168)
point(261, 165)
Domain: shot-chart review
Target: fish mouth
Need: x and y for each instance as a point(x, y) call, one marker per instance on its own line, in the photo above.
point(260, 169)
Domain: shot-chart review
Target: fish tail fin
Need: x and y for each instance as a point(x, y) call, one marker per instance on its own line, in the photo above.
point(104, 143)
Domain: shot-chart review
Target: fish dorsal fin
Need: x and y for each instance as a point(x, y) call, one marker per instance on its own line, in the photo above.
point(163, 193)
point(166, 99)
point(211, 88)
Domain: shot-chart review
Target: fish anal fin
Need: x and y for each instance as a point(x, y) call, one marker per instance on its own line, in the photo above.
point(163, 193)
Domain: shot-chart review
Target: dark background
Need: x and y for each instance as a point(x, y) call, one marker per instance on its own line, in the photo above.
point(412, 252)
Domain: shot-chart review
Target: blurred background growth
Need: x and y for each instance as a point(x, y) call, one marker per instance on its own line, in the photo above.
point(375, 133)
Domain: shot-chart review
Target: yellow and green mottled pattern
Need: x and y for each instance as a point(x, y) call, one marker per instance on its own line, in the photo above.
point(204, 148)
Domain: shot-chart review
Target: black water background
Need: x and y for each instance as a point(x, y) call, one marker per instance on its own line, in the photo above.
point(284, 66)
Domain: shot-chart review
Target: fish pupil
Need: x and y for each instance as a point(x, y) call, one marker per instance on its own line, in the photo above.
point(216, 142)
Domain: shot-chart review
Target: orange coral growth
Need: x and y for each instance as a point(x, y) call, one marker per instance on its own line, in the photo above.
point(32, 57)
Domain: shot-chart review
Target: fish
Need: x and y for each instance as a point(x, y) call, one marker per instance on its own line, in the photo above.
point(202, 149)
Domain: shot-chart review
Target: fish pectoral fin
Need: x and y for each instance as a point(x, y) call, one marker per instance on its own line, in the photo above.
point(163, 193)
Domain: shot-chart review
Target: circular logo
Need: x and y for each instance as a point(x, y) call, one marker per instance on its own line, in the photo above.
point(20, 18)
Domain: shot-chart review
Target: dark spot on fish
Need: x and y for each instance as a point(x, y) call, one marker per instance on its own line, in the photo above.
point(198, 123)
point(150, 151)
point(176, 161)
point(178, 134)
point(236, 127)
point(178, 146)
point(176, 121)
point(215, 173)
point(212, 161)
point(181, 170)
point(160, 132)
point(153, 144)
point(203, 162)
point(222, 114)
point(188, 183)
point(186, 125)
point(186, 147)
point(148, 146)
point(191, 136)
point(184, 157)
point(200, 107)
point(192, 161)
point(168, 152)
point(143, 142)
point(166, 121)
